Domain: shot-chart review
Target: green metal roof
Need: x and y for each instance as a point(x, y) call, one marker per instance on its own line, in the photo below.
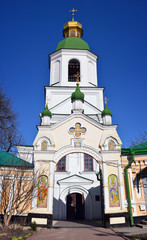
point(73, 43)
point(77, 95)
point(106, 111)
point(7, 159)
point(46, 112)
point(25, 145)
point(138, 149)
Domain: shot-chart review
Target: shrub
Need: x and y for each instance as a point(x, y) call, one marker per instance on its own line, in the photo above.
point(33, 225)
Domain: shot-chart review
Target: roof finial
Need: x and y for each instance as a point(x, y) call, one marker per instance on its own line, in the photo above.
point(78, 77)
point(106, 99)
point(73, 13)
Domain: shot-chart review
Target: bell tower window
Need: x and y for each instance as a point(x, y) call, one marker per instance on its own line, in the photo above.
point(73, 69)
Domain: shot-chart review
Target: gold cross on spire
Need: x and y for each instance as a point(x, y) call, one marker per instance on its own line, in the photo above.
point(73, 13)
point(106, 99)
point(78, 77)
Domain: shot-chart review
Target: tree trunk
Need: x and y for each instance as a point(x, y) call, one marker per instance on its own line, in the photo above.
point(7, 219)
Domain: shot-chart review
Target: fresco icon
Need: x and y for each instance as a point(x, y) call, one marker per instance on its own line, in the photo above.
point(113, 191)
point(78, 130)
point(42, 192)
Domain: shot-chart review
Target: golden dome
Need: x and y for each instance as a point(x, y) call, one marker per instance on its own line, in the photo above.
point(73, 28)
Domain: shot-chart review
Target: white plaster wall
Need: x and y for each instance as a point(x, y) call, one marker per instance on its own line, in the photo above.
point(25, 153)
point(91, 186)
point(59, 101)
point(64, 56)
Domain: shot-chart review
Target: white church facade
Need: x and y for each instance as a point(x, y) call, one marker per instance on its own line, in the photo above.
point(77, 150)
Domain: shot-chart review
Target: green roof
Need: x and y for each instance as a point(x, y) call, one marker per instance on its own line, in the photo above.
point(7, 159)
point(73, 43)
point(138, 149)
point(46, 112)
point(78, 95)
point(106, 111)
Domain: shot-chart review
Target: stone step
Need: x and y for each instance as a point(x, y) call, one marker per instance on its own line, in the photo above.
point(141, 225)
point(144, 222)
point(76, 224)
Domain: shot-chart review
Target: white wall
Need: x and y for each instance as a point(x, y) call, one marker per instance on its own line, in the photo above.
point(59, 64)
point(85, 183)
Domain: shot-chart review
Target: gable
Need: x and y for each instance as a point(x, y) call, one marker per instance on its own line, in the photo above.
point(76, 179)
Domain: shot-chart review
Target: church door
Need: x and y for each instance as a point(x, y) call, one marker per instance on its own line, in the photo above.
point(75, 207)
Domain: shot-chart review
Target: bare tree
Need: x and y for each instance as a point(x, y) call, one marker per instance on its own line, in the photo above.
point(16, 191)
point(141, 138)
point(9, 134)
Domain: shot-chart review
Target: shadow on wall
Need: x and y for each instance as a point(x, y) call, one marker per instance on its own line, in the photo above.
point(76, 208)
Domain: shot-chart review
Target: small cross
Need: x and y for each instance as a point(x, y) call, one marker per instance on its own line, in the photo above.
point(78, 77)
point(73, 13)
point(106, 99)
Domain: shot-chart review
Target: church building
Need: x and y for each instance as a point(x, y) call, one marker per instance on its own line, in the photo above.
point(77, 150)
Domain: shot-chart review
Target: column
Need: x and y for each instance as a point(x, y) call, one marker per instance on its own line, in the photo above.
point(105, 186)
point(51, 186)
point(35, 189)
point(121, 187)
point(1, 186)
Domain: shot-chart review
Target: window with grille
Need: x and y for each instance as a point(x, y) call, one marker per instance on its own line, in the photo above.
point(73, 69)
point(61, 166)
point(88, 163)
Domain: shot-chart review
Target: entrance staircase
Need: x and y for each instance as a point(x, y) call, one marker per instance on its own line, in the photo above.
point(77, 224)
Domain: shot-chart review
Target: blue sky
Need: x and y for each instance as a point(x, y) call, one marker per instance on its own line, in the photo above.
point(115, 30)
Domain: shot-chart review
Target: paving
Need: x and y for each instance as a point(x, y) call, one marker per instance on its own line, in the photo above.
point(86, 230)
point(77, 230)
point(131, 231)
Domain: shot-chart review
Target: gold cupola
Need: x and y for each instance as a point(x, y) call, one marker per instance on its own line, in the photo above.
point(73, 28)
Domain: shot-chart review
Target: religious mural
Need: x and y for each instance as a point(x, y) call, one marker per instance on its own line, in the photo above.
point(78, 130)
point(113, 191)
point(111, 145)
point(42, 192)
point(44, 145)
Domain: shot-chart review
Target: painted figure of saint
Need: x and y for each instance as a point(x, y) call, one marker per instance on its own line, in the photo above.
point(113, 191)
point(42, 192)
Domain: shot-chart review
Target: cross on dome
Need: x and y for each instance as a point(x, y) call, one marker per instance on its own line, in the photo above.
point(78, 77)
point(73, 13)
point(106, 99)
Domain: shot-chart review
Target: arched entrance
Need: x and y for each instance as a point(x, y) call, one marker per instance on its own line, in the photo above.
point(75, 206)
point(75, 173)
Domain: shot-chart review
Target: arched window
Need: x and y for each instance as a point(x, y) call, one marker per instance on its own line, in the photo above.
point(61, 166)
point(72, 33)
point(73, 68)
point(88, 163)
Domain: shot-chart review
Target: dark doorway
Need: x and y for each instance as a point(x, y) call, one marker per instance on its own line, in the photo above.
point(75, 207)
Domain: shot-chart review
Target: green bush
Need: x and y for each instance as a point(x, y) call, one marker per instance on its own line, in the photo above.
point(16, 238)
point(33, 225)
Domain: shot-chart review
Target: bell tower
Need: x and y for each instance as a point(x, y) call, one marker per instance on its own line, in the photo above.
point(71, 57)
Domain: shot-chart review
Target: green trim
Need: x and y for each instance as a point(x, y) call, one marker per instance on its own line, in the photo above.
point(139, 149)
point(72, 43)
point(46, 112)
point(77, 95)
point(126, 152)
point(128, 188)
point(26, 145)
point(106, 111)
point(7, 159)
